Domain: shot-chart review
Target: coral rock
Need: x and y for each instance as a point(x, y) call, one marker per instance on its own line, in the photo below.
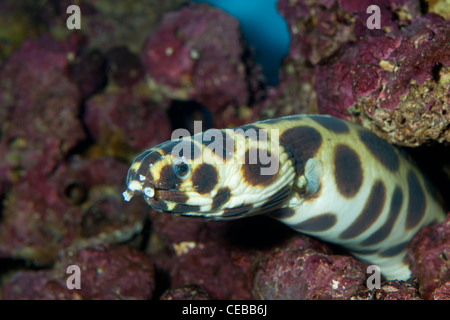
point(398, 82)
point(106, 273)
point(125, 123)
point(442, 293)
point(193, 252)
point(300, 272)
point(196, 54)
point(429, 252)
point(39, 105)
point(391, 290)
point(79, 204)
point(190, 292)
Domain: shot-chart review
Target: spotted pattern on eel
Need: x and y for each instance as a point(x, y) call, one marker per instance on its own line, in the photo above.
point(336, 181)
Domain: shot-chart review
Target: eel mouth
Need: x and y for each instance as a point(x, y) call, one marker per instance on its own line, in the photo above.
point(137, 187)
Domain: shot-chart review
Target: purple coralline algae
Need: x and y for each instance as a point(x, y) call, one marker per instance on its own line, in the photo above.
point(40, 105)
point(196, 53)
point(193, 252)
point(79, 204)
point(303, 269)
point(124, 122)
point(117, 272)
point(391, 290)
point(189, 292)
point(75, 111)
point(429, 253)
point(393, 80)
point(443, 292)
point(397, 83)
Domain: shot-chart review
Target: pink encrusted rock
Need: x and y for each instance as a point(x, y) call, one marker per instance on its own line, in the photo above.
point(196, 54)
point(391, 290)
point(189, 292)
point(39, 106)
point(442, 293)
point(77, 205)
point(397, 82)
point(318, 30)
point(106, 273)
point(429, 252)
point(192, 252)
point(126, 122)
point(393, 80)
point(306, 269)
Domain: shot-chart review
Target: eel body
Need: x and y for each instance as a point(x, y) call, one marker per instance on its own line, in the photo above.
point(319, 175)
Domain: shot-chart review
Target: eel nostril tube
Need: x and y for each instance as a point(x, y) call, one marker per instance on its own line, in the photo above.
point(127, 195)
point(149, 192)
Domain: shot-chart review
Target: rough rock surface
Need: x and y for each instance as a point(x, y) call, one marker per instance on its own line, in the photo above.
point(75, 111)
point(189, 292)
point(105, 273)
point(302, 270)
point(197, 54)
point(429, 253)
point(391, 290)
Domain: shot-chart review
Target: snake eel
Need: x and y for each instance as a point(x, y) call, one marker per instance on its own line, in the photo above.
point(320, 175)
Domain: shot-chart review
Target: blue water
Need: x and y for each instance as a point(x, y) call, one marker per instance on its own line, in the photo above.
point(263, 29)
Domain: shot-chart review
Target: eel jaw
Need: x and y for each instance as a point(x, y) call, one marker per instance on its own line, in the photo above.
point(136, 187)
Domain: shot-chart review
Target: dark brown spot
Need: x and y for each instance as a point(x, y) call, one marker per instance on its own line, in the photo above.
point(380, 149)
point(416, 201)
point(168, 179)
point(383, 232)
point(301, 143)
point(173, 196)
point(319, 223)
point(150, 158)
point(222, 196)
point(204, 178)
point(330, 123)
point(372, 210)
point(185, 208)
point(282, 213)
point(237, 211)
point(276, 198)
point(251, 171)
point(219, 142)
point(146, 158)
point(348, 172)
point(391, 252)
point(142, 155)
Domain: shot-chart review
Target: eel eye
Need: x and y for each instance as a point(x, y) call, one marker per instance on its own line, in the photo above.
point(181, 169)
